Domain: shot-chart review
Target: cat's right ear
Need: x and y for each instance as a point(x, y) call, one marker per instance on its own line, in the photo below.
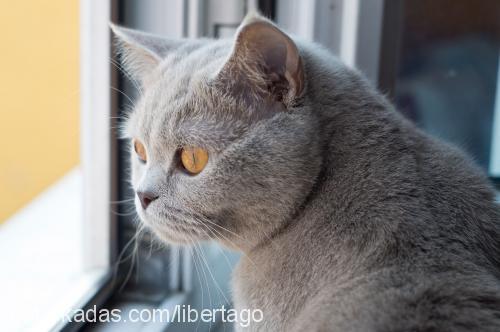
point(140, 52)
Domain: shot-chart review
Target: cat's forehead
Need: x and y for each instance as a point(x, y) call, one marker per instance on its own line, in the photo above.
point(182, 105)
point(188, 122)
point(186, 72)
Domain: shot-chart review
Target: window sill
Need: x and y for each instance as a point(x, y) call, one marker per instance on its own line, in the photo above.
point(42, 257)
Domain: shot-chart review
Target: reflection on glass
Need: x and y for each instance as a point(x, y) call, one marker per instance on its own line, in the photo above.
point(448, 70)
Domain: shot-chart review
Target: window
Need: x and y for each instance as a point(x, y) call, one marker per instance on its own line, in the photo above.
point(54, 254)
point(445, 71)
point(437, 60)
point(68, 241)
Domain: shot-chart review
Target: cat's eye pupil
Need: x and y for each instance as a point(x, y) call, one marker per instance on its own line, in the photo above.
point(194, 160)
point(140, 150)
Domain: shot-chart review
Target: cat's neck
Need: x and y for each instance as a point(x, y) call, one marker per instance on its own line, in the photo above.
point(354, 121)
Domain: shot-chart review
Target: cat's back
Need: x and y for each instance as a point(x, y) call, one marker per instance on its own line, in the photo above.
point(418, 213)
point(389, 300)
point(379, 165)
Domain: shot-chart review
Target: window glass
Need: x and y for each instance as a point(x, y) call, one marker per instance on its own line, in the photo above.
point(447, 72)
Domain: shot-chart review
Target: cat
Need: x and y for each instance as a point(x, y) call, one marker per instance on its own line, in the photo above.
point(348, 217)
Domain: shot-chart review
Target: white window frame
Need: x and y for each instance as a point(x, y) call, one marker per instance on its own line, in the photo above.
point(96, 124)
point(98, 233)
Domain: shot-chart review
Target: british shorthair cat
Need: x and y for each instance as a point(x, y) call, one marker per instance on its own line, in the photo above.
point(349, 217)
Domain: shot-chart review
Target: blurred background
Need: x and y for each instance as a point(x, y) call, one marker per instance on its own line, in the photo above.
point(39, 98)
point(40, 178)
point(68, 231)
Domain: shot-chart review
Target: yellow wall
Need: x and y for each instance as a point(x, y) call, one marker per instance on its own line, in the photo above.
point(39, 97)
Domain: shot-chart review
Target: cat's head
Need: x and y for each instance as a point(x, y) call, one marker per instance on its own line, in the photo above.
point(223, 144)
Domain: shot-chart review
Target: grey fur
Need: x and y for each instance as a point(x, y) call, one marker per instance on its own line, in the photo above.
point(349, 217)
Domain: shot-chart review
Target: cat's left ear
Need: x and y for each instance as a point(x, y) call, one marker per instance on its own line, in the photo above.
point(141, 52)
point(265, 61)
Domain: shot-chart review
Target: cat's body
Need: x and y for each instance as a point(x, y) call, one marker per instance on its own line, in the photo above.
point(349, 218)
point(400, 232)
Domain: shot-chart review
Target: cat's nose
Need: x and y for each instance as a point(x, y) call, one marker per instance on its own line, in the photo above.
point(146, 198)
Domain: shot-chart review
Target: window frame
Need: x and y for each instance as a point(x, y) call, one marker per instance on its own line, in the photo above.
point(98, 150)
point(98, 111)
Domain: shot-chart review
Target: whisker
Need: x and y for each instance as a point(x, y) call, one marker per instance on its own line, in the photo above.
point(122, 70)
point(122, 259)
point(126, 214)
point(123, 94)
point(134, 255)
point(220, 249)
point(193, 258)
point(213, 278)
point(197, 249)
point(224, 229)
point(228, 240)
point(122, 201)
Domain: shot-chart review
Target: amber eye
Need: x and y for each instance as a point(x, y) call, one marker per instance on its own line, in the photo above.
point(194, 160)
point(140, 150)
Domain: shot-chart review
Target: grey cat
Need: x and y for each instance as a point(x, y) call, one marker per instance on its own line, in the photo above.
point(349, 218)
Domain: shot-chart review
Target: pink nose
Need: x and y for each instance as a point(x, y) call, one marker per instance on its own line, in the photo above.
point(146, 198)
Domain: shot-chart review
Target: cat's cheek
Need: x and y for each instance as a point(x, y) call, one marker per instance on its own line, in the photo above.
point(153, 225)
point(136, 172)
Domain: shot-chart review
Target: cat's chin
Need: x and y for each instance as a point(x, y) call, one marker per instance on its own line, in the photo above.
point(168, 234)
point(172, 238)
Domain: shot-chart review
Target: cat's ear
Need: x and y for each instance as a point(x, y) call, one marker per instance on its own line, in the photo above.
point(141, 52)
point(265, 60)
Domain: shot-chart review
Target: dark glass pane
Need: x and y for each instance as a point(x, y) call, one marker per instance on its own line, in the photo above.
point(448, 70)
